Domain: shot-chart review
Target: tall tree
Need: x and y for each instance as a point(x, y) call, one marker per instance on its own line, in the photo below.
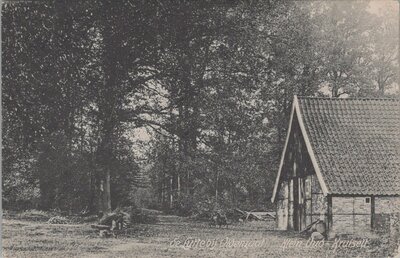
point(342, 44)
point(384, 64)
point(42, 93)
point(127, 42)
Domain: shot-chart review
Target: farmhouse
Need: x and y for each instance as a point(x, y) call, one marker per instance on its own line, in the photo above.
point(340, 164)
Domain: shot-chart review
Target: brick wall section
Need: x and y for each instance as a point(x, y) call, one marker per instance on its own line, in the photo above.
point(351, 215)
point(384, 207)
point(361, 205)
point(342, 224)
point(387, 205)
point(342, 205)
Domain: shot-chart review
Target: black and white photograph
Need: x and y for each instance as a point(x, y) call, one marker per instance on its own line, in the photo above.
point(200, 128)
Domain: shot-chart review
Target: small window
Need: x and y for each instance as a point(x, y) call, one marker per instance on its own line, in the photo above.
point(367, 200)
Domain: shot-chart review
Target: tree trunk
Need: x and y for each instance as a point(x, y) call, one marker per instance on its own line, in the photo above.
point(178, 185)
point(109, 100)
point(171, 197)
point(107, 193)
point(216, 187)
point(381, 88)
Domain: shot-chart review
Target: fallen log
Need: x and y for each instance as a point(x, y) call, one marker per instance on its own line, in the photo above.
point(316, 226)
point(240, 211)
point(264, 214)
point(309, 226)
point(255, 217)
point(248, 215)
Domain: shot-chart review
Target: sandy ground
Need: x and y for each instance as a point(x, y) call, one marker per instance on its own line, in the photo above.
point(171, 237)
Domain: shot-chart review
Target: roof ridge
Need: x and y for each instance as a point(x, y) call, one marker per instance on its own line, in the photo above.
point(352, 98)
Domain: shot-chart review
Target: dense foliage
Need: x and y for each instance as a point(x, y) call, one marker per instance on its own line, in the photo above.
point(207, 84)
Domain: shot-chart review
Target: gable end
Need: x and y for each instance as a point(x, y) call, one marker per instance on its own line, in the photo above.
point(296, 113)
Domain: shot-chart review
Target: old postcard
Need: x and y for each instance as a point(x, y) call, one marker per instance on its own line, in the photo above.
point(212, 128)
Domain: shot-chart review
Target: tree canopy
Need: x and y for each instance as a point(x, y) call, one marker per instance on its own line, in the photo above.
point(209, 82)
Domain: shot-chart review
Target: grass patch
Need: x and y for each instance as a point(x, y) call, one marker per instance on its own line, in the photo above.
point(39, 239)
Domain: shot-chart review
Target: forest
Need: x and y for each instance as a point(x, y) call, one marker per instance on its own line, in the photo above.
point(179, 106)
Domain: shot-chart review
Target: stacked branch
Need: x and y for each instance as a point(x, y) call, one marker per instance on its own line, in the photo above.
point(252, 215)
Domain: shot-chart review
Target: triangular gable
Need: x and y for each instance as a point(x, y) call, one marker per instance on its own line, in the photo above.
point(296, 112)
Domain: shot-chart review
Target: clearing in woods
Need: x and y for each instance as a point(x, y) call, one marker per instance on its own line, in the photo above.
point(172, 236)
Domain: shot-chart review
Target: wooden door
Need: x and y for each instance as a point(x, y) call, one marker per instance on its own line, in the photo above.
point(299, 204)
point(302, 205)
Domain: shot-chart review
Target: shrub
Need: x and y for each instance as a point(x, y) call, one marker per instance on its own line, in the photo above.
point(35, 215)
point(185, 205)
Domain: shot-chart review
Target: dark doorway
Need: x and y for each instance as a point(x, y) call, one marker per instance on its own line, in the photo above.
point(299, 204)
point(296, 221)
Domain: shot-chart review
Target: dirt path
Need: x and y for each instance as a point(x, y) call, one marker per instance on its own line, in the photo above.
point(180, 237)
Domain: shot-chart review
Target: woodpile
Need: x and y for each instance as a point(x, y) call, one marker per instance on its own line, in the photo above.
point(112, 222)
point(253, 215)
